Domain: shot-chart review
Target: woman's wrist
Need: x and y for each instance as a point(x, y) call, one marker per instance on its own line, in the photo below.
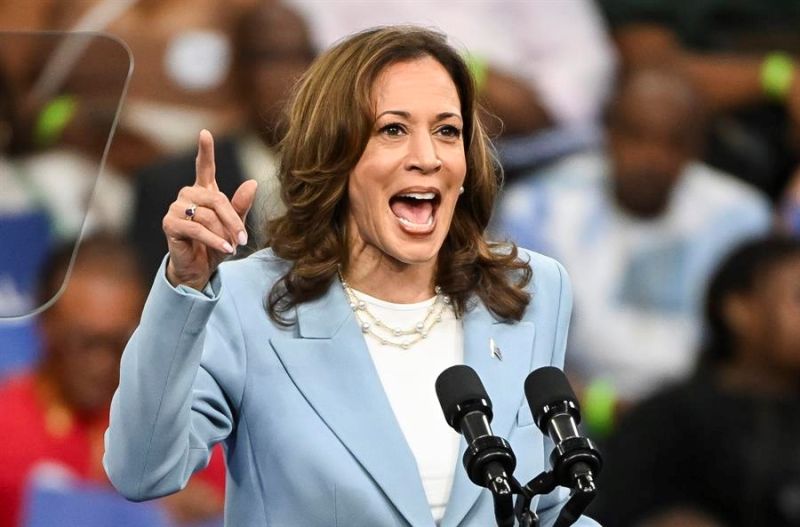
point(196, 283)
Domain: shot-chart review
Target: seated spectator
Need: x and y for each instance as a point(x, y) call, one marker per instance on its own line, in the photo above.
point(742, 56)
point(45, 200)
point(24, 225)
point(183, 78)
point(54, 176)
point(272, 50)
point(788, 220)
point(56, 414)
point(639, 226)
point(680, 517)
point(726, 443)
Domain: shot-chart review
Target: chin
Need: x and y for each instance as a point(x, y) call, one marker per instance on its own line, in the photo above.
point(414, 251)
point(415, 257)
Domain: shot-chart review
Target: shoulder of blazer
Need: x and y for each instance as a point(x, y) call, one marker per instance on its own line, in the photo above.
point(545, 268)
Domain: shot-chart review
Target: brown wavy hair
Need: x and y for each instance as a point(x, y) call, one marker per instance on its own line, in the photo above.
point(330, 117)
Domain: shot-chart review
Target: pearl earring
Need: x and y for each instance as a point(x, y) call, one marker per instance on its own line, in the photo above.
point(461, 190)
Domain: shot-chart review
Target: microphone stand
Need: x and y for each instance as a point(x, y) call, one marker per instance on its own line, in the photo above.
point(575, 461)
point(492, 458)
point(504, 508)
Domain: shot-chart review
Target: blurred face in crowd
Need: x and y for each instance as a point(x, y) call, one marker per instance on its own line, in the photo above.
point(653, 133)
point(680, 517)
point(275, 50)
point(403, 190)
point(85, 333)
point(789, 207)
point(767, 319)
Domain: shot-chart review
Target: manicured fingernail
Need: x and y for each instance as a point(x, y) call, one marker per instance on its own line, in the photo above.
point(242, 238)
point(228, 247)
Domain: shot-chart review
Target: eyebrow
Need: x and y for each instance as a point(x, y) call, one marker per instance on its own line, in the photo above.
point(407, 115)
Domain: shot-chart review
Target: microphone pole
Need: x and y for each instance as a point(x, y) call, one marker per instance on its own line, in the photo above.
point(575, 459)
point(488, 459)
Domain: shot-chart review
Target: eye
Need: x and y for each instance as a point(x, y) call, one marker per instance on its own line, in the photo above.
point(450, 131)
point(392, 129)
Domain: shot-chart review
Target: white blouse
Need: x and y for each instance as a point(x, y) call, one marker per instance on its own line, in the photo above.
point(408, 377)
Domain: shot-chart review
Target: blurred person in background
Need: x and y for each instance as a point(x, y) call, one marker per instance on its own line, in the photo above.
point(726, 442)
point(639, 226)
point(28, 18)
point(741, 55)
point(788, 217)
point(184, 53)
point(272, 50)
point(539, 66)
point(47, 166)
point(46, 198)
point(680, 517)
point(25, 226)
point(57, 413)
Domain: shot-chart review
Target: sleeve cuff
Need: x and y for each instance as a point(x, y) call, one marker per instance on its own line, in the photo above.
point(211, 291)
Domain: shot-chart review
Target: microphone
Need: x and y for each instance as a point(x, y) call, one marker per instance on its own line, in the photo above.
point(575, 459)
point(488, 460)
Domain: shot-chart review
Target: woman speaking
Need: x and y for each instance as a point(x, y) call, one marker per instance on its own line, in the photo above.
point(314, 360)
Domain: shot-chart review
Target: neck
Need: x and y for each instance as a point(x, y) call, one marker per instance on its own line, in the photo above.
point(380, 276)
point(640, 209)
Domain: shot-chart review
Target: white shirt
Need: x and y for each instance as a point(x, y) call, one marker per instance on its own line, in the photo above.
point(408, 377)
point(638, 284)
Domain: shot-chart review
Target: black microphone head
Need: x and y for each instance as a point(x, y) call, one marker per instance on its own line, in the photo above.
point(460, 391)
point(546, 387)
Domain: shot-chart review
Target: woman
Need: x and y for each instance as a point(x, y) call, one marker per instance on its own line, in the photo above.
point(327, 417)
point(724, 444)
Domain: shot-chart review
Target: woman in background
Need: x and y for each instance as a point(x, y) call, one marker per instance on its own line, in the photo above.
point(724, 444)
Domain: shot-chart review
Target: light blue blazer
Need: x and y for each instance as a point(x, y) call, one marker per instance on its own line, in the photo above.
point(309, 435)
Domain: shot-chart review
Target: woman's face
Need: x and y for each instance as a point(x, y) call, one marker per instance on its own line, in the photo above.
point(766, 320)
point(776, 308)
point(403, 190)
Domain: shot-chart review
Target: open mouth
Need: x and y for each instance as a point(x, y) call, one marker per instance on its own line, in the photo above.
point(416, 211)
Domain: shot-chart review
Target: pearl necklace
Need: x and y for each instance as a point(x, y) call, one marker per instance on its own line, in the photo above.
point(390, 336)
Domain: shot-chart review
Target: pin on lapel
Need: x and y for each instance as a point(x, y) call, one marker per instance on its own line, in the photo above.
point(494, 350)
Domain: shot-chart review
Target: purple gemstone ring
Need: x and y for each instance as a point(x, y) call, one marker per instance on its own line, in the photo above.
point(190, 211)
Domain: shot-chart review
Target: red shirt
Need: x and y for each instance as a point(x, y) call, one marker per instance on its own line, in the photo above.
point(43, 431)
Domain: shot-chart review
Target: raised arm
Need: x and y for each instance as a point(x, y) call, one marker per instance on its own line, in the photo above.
point(182, 372)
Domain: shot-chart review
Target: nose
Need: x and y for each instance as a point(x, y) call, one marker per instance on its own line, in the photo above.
point(422, 155)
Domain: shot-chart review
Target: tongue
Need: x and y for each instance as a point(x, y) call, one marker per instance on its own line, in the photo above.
point(415, 211)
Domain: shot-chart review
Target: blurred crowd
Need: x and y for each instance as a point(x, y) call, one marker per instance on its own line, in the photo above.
point(651, 146)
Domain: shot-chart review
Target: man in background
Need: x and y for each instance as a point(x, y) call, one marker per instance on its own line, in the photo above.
point(639, 226)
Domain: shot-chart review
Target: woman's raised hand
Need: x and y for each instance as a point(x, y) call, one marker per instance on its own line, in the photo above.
point(202, 226)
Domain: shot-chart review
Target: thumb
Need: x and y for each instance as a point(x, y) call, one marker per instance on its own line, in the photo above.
point(244, 197)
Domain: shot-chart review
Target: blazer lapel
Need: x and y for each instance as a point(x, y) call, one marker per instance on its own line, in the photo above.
point(330, 364)
point(503, 374)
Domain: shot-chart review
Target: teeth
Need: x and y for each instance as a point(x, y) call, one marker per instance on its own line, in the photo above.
point(408, 222)
point(418, 195)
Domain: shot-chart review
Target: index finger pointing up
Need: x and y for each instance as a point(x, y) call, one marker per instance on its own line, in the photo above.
point(205, 169)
